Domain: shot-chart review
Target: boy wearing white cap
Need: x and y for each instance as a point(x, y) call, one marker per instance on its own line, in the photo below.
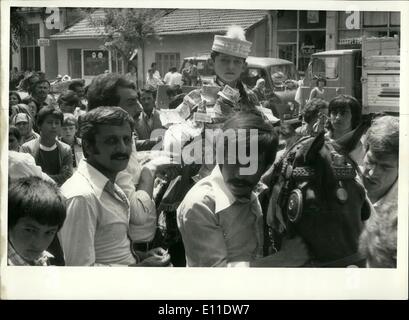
point(229, 53)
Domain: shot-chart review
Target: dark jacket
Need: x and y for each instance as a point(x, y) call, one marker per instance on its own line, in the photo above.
point(65, 158)
point(144, 140)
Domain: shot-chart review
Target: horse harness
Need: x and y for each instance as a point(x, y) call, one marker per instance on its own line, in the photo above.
point(291, 189)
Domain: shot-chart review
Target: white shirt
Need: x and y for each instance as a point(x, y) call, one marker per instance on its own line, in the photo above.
point(175, 79)
point(156, 75)
point(142, 225)
point(166, 78)
point(97, 223)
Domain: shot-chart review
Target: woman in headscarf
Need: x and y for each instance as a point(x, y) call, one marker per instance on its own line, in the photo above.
point(24, 124)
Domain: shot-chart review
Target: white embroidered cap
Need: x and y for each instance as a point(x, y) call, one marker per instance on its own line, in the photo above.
point(234, 43)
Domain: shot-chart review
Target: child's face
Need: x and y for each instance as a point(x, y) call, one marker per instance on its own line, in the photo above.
point(30, 238)
point(51, 127)
point(68, 132)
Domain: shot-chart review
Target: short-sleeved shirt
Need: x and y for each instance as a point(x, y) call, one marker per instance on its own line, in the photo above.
point(217, 229)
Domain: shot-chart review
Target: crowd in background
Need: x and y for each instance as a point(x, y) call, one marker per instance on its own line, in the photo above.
point(75, 171)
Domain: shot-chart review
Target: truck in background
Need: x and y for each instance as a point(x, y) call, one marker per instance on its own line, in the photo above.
point(372, 75)
point(280, 82)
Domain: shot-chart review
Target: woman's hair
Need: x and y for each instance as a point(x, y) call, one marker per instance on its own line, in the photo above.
point(14, 93)
point(37, 199)
point(343, 101)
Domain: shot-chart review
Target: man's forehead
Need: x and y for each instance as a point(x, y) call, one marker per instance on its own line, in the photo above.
point(51, 117)
point(385, 158)
point(42, 84)
point(114, 129)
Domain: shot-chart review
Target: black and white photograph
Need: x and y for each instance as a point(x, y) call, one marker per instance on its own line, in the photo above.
point(225, 150)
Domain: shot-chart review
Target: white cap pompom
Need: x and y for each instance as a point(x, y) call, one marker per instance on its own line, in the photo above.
point(234, 43)
point(236, 32)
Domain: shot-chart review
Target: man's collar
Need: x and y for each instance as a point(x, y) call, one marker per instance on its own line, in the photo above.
point(95, 177)
point(145, 115)
point(223, 198)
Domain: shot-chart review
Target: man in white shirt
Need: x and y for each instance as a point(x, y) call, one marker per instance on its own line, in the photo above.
point(98, 211)
point(166, 78)
point(136, 181)
point(155, 71)
point(175, 78)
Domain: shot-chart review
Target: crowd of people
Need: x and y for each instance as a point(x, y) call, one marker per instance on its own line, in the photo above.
point(94, 180)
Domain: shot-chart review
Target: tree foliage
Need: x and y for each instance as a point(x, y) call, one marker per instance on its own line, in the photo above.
point(18, 27)
point(124, 30)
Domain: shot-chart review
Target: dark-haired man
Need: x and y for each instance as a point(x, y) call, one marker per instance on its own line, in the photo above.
point(380, 177)
point(136, 181)
point(98, 210)
point(112, 89)
point(53, 156)
point(220, 218)
point(38, 97)
point(147, 124)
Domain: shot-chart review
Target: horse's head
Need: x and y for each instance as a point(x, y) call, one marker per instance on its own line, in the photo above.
point(315, 195)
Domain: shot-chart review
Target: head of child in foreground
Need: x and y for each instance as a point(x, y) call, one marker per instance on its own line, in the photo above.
point(36, 212)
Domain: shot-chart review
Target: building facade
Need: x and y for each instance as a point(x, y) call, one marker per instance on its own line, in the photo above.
point(61, 42)
point(298, 34)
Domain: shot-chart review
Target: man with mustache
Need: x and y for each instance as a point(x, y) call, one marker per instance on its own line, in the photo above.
point(98, 210)
point(220, 218)
point(380, 177)
point(148, 123)
point(39, 96)
point(136, 181)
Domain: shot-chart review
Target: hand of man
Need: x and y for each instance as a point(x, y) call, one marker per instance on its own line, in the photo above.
point(157, 257)
point(162, 165)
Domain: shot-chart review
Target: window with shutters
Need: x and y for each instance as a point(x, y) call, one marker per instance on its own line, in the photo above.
point(30, 51)
point(166, 60)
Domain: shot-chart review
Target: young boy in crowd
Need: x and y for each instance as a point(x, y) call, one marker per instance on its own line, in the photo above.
point(53, 156)
point(68, 130)
point(36, 212)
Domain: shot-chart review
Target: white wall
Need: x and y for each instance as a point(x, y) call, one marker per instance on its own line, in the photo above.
point(185, 45)
point(62, 52)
